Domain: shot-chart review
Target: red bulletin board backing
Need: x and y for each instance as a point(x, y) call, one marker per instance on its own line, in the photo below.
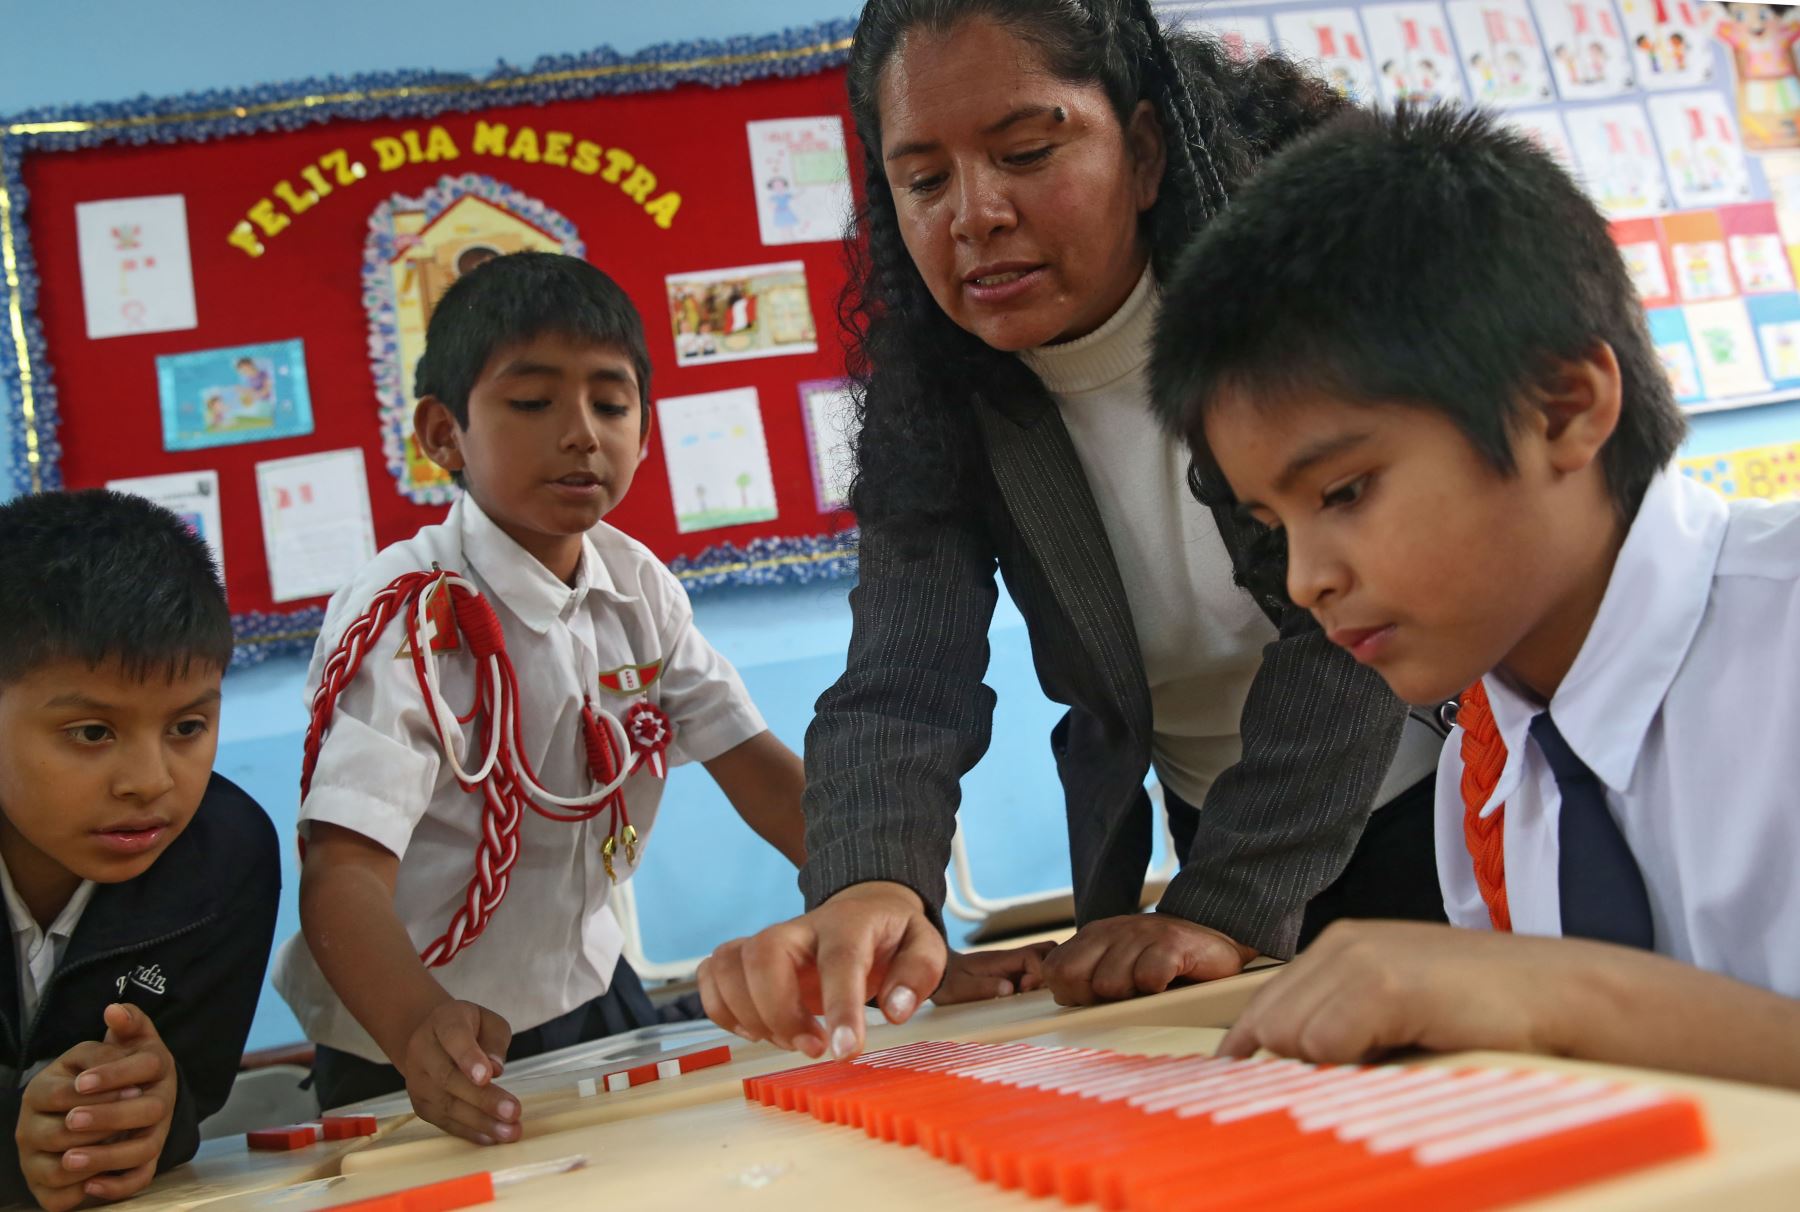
point(305, 281)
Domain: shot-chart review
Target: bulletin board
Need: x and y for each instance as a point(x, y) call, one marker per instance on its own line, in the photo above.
point(227, 292)
point(1679, 118)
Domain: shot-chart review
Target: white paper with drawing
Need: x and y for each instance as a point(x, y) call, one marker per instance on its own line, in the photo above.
point(718, 461)
point(1620, 167)
point(1725, 344)
point(192, 496)
point(802, 179)
point(1500, 49)
point(830, 415)
point(1700, 145)
point(136, 275)
point(317, 529)
point(1331, 39)
point(1410, 46)
point(1588, 56)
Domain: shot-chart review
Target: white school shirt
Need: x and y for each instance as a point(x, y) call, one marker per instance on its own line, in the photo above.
point(37, 950)
point(1682, 701)
point(552, 943)
point(1200, 635)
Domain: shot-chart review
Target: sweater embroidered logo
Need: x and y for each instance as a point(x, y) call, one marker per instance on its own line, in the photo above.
point(149, 978)
point(630, 679)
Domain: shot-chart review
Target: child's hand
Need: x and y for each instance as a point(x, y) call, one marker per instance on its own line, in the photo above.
point(979, 975)
point(1120, 957)
point(1367, 988)
point(451, 1060)
point(93, 1122)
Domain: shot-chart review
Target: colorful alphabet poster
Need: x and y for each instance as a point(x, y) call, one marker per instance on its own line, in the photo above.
point(718, 460)
point(136, 274)
point(802, 179)
point(245, 393)
point(1758, 257)
point(1702, 265)
point(1771, 473)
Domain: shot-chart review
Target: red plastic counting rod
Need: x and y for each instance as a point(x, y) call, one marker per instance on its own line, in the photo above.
point(348, 1127)
point(294, 1136)
point(706, 1058)
point(675, 1066)
point(1170, 1133)
point(468, 1191)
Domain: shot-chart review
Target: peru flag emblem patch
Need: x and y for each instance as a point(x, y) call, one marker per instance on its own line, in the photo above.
point(630, 679)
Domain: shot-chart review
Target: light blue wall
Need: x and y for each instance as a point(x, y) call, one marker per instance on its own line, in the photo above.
point(706, 877)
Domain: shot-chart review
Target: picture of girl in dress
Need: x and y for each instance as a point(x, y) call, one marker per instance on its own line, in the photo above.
point(781, 198)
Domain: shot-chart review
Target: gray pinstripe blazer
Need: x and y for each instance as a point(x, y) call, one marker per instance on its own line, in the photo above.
point(910, 715)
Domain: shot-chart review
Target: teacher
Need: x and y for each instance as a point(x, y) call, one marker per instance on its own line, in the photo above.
point(1032, 166)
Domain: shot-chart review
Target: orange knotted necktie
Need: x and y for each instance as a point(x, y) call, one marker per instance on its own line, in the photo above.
point(1484, 757)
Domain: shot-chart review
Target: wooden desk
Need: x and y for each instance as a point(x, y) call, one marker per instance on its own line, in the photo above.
point(228, 1165)
point(547, 1112)
point(728, 1154)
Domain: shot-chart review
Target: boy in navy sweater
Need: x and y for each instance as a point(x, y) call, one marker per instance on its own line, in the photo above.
point(139, 886)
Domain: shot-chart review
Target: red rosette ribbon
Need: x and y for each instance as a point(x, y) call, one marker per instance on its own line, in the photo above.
point(650, 731)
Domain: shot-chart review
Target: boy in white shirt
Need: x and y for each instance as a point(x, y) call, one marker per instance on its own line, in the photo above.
point(1422, 362)
point(534, 391)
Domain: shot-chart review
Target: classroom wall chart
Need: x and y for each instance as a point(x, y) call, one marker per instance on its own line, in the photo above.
point(1681, 118)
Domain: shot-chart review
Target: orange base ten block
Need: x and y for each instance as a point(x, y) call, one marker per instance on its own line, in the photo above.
point(348, 1127)
point(644, 1074)
point(294, 1136)
point(468, 1191)
point(1166, 1134)
point(298, 1136)
point(706, 1058)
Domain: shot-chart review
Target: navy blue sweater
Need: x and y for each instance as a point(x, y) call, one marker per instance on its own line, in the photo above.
point(187, 942)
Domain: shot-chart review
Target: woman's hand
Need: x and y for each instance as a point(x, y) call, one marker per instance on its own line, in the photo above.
point(871, 940)
point(1120, 957)
point(978, 975)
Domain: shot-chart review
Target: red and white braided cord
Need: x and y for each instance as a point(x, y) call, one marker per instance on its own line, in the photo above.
point(506, 780)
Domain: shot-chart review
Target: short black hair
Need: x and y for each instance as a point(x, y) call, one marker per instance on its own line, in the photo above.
point(519, 297)
point(96, 576)
point(1429, 257)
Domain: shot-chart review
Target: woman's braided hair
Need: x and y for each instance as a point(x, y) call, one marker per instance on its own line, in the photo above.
point(916, 377)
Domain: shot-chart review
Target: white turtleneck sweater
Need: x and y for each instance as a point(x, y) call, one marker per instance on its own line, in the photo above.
point(1200, 635)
